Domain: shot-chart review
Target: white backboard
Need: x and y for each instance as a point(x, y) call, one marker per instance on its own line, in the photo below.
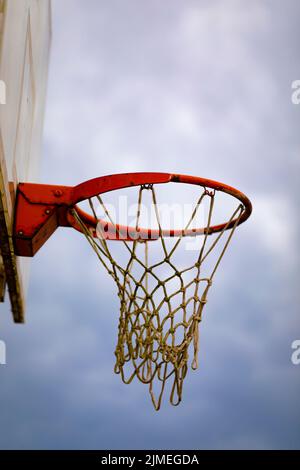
point(25, 32)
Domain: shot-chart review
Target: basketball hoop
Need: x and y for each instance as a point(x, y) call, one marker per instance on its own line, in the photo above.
point(158, 322)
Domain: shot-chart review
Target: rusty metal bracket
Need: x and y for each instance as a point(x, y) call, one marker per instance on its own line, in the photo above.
point(39, 210)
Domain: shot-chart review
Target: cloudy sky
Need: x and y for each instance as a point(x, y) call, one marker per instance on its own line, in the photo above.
point(195, 87)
